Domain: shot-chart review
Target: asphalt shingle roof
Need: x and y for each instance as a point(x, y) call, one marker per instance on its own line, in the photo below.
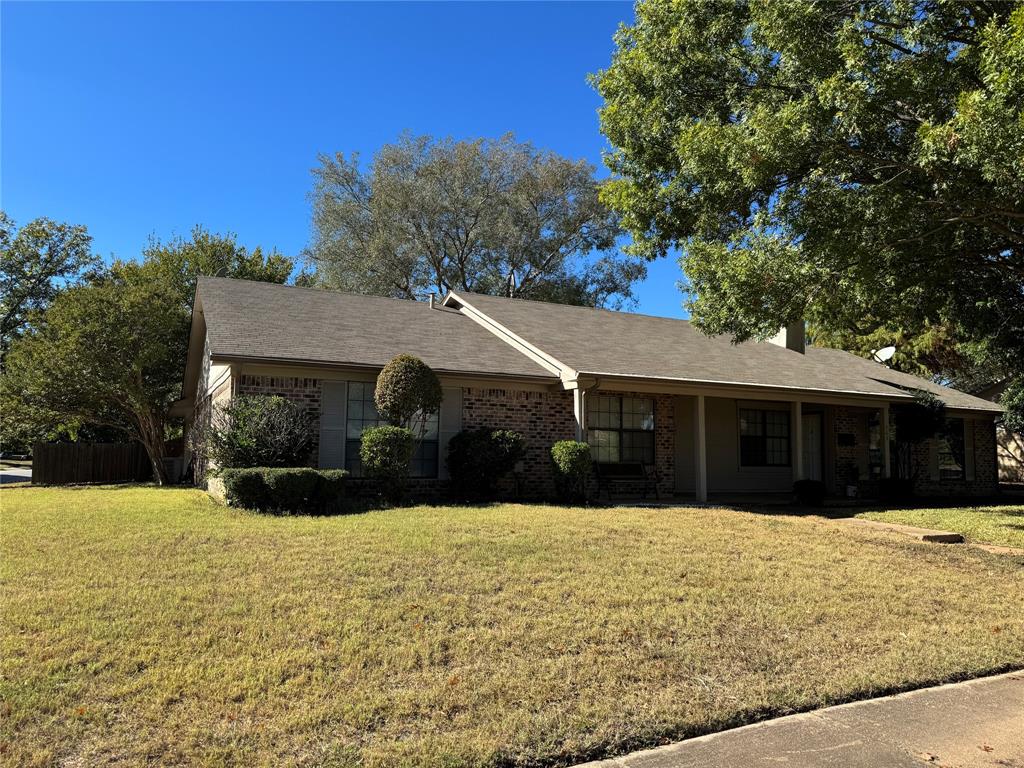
point(247, 319)
point(255, 320)
point(598, 341)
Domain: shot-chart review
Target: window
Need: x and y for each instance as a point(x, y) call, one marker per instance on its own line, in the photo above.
point(764, 438)
point(621, 429)
point(951, 451)
point(362, 414)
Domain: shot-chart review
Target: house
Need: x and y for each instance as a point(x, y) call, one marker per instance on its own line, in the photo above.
point(712, 417)
point(1009, 445)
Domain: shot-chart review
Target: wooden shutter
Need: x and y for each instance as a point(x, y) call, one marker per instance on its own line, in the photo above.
point(333, 402)
point(933, 459)
point(449, 424)
point(968, 449)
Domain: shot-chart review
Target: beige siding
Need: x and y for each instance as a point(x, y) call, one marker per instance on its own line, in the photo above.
point(684, 445)
point(725, 475)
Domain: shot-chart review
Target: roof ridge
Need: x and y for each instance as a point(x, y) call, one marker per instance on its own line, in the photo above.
point(569, 306)
point(313, 288)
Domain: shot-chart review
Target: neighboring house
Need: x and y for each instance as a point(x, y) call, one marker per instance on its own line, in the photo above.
point(712, 417)
point(1009, 445)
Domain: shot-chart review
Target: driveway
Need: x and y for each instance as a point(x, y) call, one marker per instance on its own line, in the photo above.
point(15, 475)
point(977, 724)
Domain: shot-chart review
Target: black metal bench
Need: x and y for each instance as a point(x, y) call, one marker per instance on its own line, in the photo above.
point(610, 476)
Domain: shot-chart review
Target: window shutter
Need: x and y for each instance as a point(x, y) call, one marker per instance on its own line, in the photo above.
point(333, 401)
point(449, 424)
point(968, 449)
point(933, 458)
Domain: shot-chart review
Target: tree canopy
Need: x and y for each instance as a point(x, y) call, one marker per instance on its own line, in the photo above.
point(179, 262)
point(36, 262)
point(858, 164)
point(490, 216)
point(110, 352)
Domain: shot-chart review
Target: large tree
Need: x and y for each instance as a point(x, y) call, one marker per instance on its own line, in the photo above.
point(36, 262)
point(110, 353)
point(180, 261)
point(490, 216)
point(860, 164)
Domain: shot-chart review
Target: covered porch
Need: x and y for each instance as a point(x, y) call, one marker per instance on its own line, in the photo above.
point(717, 444)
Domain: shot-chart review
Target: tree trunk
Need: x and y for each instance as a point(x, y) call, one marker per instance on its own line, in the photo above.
point(151, 435)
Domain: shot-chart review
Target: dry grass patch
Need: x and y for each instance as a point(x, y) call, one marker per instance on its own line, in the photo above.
point(151, 625)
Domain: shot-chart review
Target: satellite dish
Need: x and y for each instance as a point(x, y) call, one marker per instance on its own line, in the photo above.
point(883, 354)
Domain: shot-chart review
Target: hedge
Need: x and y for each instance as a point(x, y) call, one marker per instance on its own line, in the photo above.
point(286, 490)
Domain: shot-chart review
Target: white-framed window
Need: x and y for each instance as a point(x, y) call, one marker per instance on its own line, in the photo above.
point(361, 414)
point(620, 429)
point(764, 438)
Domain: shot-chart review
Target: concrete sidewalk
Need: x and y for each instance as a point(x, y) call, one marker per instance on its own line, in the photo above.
point(963, 725)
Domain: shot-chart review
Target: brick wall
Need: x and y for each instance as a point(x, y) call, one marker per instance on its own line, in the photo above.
point(851, 461)
point(543, 418)
point(986, 480)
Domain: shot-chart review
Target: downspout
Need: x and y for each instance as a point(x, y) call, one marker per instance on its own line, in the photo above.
point(579, 407)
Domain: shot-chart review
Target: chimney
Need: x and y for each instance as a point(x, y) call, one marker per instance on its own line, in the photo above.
point(792, 336)
point(431, 301)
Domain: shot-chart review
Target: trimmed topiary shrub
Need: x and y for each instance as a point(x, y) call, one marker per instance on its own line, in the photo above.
point(809, 493)
point(479, 458)
point(256, 431)
point(285, 490)
point(406, 387)
point(573, 466)
point(385, 453)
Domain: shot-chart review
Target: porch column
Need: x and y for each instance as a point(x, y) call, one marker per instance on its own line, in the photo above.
point(886, 463)
point(700, 452)
point(579, 412)
point(798, 441)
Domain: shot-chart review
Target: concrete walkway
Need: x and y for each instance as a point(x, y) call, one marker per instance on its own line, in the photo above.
point(975, 724)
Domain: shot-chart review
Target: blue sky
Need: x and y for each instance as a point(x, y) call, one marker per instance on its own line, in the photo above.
point(138, 119)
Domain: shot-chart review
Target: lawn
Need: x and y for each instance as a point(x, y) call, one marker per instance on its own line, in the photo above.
point(1003, 525)
point(146, 625)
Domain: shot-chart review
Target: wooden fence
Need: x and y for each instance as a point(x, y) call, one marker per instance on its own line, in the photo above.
point(65, 463)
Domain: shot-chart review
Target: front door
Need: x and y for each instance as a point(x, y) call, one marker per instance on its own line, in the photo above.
point(812, 445)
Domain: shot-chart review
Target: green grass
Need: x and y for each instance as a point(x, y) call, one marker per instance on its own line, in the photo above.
point(1003, 525)
point(146, 625)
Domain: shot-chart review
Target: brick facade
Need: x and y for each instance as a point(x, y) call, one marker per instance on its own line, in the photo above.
point(851, 458)
point(986, 479)
point(543, 418)
point(546, 417)
point(851, 465)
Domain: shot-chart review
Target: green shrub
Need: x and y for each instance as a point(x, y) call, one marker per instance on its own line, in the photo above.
point(479, 458)
point(810, 493)
point(285, 490)
point(330, 492)
point(573, 466)
point(292, 488)
point(245, 488)
point(406, 387)
point(385, 453)
point(255, 431)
